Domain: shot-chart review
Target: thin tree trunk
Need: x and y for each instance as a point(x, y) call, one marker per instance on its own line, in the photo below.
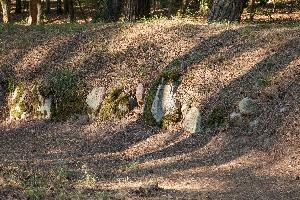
point(82, 11)
point(5, 10)
point(136, 9)
point(227, 10)
point(252, 9)
point(114, 9)
point(18, 9)
point(66, 6)
point(71, 11)
point(58, 7)
point(33, 12)
point(48, 7)
point(39, 12)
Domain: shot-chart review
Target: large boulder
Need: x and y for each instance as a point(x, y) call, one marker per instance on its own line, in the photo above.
point(192, 121)
point(164, 102)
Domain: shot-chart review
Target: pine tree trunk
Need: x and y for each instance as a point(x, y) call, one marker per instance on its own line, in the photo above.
point(48, 7)
point(39, 12)
point(71, 11)
point(66, 6)
point(32, 12)
point(136, 9)
point(144, 8)
point(18, 9)
point(35, 11)
point(114, 9)
point(227, 10)
point(58, 7)
point(5, 10)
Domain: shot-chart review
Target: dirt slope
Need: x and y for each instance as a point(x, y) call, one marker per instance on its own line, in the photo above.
point(115, 160)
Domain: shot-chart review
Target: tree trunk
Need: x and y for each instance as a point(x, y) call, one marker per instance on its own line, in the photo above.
point(39, 12)
point(144, 7)
point(71, 11)
point(136, 9)
point(35, 11)
point(114, 8)
point(66, 6)
point(252, 9)
point(174, 7)
point(5, 10)
point(58, 7)
point(18, 9)
point(227, 10)
point(48, 7)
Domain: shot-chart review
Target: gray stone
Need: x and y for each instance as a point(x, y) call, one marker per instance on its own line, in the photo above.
point(253, 124)
point(139, 94)
point(164, 102)
point(247, 106)
point(83, 119)
point(193, 121)
point(184, 109)
point(95, 98)
point(235, 118)
point(45, 106)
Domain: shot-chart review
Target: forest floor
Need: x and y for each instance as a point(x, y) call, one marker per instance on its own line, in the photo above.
point(127, 159)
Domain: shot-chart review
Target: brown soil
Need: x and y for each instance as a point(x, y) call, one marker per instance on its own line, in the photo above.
point(225, 63)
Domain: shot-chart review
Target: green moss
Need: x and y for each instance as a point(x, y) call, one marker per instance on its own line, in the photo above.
point(171, 76)
point(116, 104)
point(147, 114)
point(171, 118)
point(216, 118)
point(11, 85)
point(18, 106)
point(68, 94)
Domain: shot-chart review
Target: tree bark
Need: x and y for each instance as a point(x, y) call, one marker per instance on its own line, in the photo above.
point(48, 7)
point(58, 7)
point(5, 10)
point(35, 11)
point(227, 10)
point(66, 6)
point(18, 9)
point(114, 8)
point(71, 11)
point(136, 9)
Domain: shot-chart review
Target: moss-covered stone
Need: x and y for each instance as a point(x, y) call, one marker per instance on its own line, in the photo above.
point(19, 105)
point(116, 104)
point(168, 77)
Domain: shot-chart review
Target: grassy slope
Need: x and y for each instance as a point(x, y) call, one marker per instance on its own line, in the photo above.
point(225, 63)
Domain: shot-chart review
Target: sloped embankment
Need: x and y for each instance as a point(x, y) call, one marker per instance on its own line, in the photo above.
point(245, 149)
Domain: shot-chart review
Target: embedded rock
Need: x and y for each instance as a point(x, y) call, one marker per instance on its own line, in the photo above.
point(95, 98)
point(235, 118)
point(164, 102)
point(19, 103)
point(193, 121)
point(44, 107)
point(139, 94)
point(247, 106)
